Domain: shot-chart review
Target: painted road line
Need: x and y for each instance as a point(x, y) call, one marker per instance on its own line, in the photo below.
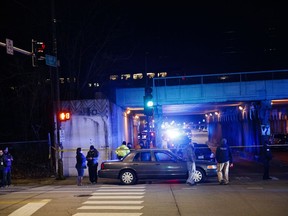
point(255, 188)
point(124, 190)
point(132, 202)
point(189, 188)
point(118, 193)
point(116, 197)
point(54, 191)
point(110, 207)
point(30, 208)
point(108, 214)
point(132, 187)
point(44, 188)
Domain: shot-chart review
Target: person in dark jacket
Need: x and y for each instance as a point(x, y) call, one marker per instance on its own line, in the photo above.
point(8, 167)
point(2, 167)
point(267, 156)
point(190, 158)
point(80, 165)
point(92, 162)
point(224, 161)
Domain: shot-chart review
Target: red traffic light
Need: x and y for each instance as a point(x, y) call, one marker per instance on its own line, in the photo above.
point(64, 116)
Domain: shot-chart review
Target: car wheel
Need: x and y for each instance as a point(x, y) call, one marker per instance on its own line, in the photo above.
point(127, 177)
point(199, 175)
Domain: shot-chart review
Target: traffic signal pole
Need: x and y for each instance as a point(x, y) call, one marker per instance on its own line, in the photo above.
point(148, 111)
point(56, 98)
point(16, 49)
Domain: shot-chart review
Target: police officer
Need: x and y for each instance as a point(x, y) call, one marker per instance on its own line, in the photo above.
point(267, 156)
point(122, 150)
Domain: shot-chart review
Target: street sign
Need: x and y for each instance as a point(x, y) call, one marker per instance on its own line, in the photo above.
point(51, 60)
point(9, 47)
point(61, 136)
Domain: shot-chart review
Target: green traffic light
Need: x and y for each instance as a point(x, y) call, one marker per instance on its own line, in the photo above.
point(149, 103)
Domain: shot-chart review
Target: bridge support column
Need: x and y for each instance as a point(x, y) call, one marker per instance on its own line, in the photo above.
point(264, 117)
point(135, 132)
point(239, 125)
point(158, 119)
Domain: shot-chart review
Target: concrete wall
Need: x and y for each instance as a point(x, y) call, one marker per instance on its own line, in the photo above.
point(93, 122)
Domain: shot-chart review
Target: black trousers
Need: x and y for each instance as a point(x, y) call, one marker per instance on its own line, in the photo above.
point(93, 176)
point(266, 169)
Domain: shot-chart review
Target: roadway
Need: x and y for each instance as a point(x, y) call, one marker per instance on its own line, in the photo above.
point(247, 194)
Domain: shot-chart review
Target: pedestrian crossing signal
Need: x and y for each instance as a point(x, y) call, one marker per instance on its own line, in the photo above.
point(64, 116)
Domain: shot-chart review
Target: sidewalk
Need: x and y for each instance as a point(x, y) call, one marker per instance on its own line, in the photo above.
point(242, 167)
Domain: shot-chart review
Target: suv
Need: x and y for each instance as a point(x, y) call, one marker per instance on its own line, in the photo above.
point(279, 139)
point(202, 151)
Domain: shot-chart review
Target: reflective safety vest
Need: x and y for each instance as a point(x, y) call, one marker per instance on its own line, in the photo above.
point(122, 150)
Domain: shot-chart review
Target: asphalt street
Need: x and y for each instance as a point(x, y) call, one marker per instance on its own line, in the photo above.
point(251, 170)
point(247, 194)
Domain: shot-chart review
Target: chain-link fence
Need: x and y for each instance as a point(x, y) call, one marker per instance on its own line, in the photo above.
point(30, 159)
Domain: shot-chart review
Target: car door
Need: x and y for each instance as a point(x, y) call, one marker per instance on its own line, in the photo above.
point(169, 166)
point(143, 165)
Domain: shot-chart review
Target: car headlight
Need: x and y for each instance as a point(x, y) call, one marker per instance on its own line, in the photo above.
point(212, 167)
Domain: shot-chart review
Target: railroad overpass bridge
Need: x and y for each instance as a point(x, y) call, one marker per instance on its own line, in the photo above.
point(263, 95)
point(105, 124)
point(200, 94)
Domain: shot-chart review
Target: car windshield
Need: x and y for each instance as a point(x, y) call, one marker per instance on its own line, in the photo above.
point(176, 156)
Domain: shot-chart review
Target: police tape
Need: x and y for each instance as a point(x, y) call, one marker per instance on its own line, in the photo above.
point(210, 147)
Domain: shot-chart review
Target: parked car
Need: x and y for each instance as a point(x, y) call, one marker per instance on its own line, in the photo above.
point(280, 142)
point(153, 164)
point(202, 151)
point(278, 139)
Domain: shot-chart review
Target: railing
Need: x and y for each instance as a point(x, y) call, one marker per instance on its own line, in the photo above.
point(221, 78)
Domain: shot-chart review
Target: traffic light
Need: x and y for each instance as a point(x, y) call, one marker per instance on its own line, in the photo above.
point(64, 116)
point(148, 102)
point(38, 52)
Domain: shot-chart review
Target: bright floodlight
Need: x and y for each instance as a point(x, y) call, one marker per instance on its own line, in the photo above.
point(173, 133)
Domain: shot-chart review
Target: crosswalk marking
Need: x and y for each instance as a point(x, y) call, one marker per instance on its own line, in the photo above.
point(108, 214)
point(123, 187)
point(29, 208)
point(115, 197)
point(121, 198)
point(114, 190)
point(112, 207)
point(130, 202)
point(118, 193)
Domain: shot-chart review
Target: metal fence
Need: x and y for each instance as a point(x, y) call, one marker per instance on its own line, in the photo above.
point(31, 159)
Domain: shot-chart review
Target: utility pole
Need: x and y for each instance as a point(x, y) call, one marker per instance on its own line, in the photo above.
point(54, 72)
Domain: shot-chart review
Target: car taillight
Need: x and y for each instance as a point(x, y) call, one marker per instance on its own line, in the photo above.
point(102, 165)
point(211, 167)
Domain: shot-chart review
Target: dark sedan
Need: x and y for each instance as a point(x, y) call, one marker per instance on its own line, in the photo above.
point(153, 164)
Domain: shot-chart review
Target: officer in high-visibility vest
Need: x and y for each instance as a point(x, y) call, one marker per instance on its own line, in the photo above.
point(122, 150)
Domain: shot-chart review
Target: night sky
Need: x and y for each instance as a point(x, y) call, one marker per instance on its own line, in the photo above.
point(97, 38)
point(103, 37)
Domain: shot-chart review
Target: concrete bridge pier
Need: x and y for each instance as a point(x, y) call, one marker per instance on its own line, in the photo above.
point(245, 127)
